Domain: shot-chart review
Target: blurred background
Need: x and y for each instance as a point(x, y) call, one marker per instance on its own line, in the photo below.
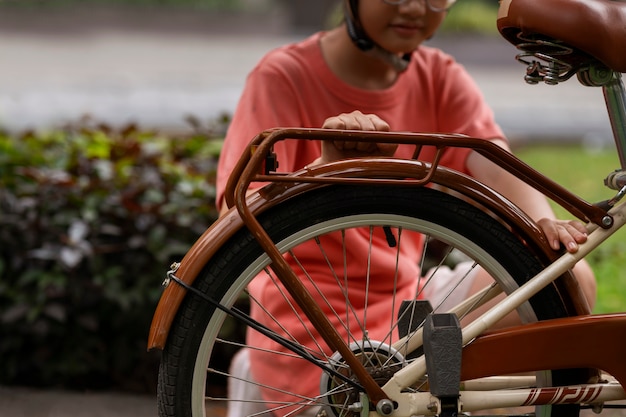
point(111, 119)
point(157, 62)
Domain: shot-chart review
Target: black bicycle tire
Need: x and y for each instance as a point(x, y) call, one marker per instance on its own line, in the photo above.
point(308, 209)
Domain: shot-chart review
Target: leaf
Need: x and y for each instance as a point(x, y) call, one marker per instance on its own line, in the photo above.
point(99, 146)
point(78, 231)
point(70, 257)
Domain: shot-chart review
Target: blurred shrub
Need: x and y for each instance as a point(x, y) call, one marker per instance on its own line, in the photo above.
point(90, 220)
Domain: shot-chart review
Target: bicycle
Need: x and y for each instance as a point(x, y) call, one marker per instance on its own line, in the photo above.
point(432, 359)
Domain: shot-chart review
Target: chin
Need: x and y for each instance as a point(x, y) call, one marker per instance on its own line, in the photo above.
point(405, 46)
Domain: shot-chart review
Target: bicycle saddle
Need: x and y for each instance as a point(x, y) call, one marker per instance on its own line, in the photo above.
point(595, 28)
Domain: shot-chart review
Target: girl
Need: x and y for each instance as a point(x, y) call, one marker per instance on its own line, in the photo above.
point(370, 73)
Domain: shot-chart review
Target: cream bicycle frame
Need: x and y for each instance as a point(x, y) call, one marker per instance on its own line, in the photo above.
point(425, 404)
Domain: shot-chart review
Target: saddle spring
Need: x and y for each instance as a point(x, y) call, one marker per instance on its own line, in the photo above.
point(546, 65)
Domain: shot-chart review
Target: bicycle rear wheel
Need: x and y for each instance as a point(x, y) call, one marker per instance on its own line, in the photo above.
point(314, 230)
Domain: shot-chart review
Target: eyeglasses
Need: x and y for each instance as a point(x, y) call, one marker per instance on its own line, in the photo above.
point(434, 5)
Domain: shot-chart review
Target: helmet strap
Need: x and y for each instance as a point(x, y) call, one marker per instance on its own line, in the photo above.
point(367, 45)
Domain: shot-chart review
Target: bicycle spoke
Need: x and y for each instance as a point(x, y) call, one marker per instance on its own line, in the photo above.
point(364, 288)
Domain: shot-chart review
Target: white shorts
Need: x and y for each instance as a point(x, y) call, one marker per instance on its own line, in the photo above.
point(450, 286)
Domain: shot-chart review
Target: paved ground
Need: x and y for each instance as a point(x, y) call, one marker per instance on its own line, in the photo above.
point(26, 402)
point(33, 403)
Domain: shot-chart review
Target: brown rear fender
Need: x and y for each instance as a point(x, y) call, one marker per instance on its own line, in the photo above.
point(384, 169)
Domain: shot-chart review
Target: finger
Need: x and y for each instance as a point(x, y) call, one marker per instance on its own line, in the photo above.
point(359, 121)
point(366, 147)
point(333, 123)
point(343, 121)
point(387, 149)
point(352, 123)
point(370, 122)
point(379, 124)
point(577, 231)
point(356, 121)
point(571, 236)
point(579, 227)
point(555, 239)
point(347, 145)
point(568, 241)
point(552, 234)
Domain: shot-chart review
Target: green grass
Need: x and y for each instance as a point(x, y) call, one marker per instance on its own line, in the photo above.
point(472, 16)
point(583, 171)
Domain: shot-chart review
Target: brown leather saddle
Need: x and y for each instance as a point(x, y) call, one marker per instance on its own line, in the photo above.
point(592, 29)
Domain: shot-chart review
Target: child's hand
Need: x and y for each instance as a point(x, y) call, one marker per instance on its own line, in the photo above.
point(569, 233)
point(332, 151)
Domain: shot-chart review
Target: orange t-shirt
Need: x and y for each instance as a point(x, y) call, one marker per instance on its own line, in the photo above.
point(292, 86)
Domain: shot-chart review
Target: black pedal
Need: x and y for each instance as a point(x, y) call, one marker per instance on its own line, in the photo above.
point(412, 315)
point(443, 343)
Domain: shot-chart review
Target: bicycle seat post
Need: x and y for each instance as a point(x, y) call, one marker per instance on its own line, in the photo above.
point(615, 98)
